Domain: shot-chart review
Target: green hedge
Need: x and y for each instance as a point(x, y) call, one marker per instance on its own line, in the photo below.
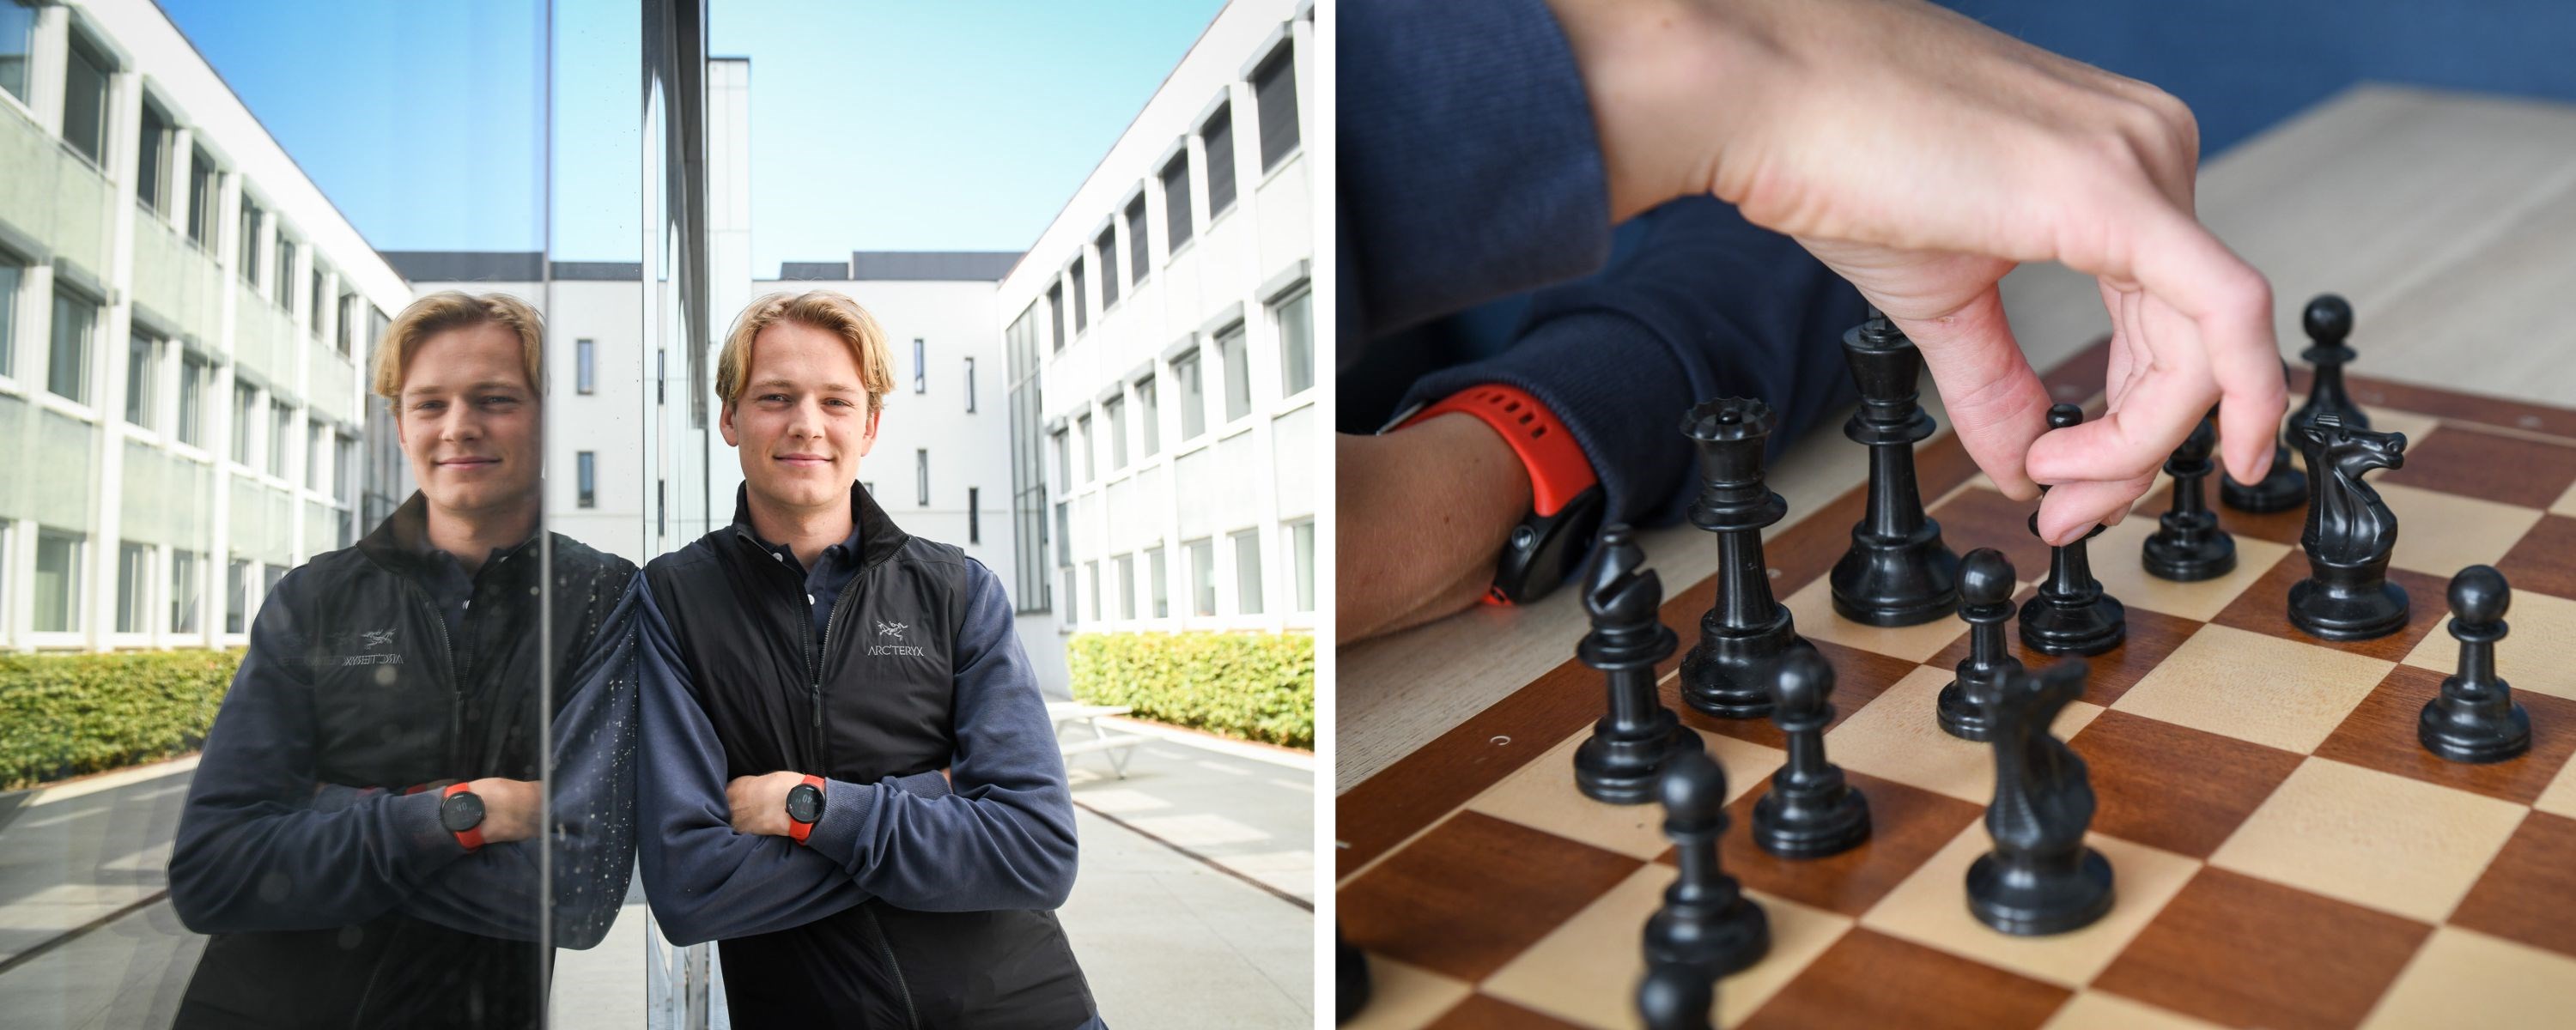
point(1256, 686)
point(66, 715)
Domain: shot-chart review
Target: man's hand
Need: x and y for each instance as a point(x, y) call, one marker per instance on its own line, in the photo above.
point(509, 808)
point(1922, 156)
point(760, 802)
point(1424, 512)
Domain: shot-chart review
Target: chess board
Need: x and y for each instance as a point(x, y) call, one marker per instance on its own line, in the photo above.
point(2286, 854)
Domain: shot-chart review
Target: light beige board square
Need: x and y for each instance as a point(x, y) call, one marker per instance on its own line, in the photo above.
point(2538, 652)
point(1403, 997)
point(2254, 686)
point(2117, 562)
point(2464, 978)
point(1587, 970)
point(2093, 1011)
point(1898, 737)
point(1813, 607)
point(1542, 795)
point(2371, 838)
point(2382, 420)
point(2566, 503)
point(1931, 908)
point(2440, 534)
point(2560, 798)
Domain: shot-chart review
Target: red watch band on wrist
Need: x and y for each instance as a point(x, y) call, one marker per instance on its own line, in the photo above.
point(799, 831)
point(1557, 468)
point(472, 836)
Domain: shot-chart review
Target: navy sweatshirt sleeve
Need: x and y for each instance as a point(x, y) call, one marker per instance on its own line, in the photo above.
point(258, 847)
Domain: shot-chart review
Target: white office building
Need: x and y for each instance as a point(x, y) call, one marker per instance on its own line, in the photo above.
point(183, 317)
point(1162, 358)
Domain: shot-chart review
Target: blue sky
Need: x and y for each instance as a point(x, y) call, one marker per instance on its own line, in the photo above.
point(875, 126)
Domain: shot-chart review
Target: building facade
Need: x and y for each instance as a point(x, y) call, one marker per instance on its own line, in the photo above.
point(183, 317)
point(1162, 370)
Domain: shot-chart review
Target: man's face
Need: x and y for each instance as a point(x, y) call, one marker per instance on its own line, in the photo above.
point(802, 420)
point(468, 422)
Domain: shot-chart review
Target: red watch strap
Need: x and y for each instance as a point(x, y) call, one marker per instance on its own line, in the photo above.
point(1557, 468)
point(472, 838)
point(799, 831)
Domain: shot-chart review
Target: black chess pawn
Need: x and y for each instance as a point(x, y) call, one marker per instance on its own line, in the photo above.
point(1897, 571)
point(2071, 615)
point(1810, 810)
point(2040, 878)
point(1985, 601)
point(2475, 718)
point(1350, 978)
point(1675, 997)
point(2328, 320)
point(1743, 636)
point(2188, 546)
point(2281, 489)
point(1630, 743)
point(2349, 536)
point(1706, 921)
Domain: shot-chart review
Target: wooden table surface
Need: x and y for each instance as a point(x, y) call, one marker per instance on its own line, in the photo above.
point(2448, 219)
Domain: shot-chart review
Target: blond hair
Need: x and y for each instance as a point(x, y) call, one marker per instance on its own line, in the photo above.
point(825, 310)
point(452, 309)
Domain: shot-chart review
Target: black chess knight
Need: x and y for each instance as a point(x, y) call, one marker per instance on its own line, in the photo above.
point(2040, 878)
point(1742, 637)
point(2475, 718)
point(1630, 743)
point(1985, 602)
point(2188, 546)
point(2071, 615)
point(1810, 811)
point(2349, 536)
point(1706, 921)
point(1897, 571)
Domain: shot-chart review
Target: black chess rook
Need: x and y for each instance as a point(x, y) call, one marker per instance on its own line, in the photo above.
point(1897, 571)
point(2475, 718)
point(2071, 615)
point(1706, 921)
point(2349, 535)
point(2040, 878)
point(1743, 636)
point(1618, 763)
point(1811, 810)
point(1986, 581)
point(2187, 545)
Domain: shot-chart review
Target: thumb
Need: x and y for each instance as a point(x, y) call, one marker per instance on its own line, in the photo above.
point(1993, 398)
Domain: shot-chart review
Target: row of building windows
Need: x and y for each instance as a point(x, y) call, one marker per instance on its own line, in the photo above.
point(1186, 372)
point(1122, 596)
point(159, 589)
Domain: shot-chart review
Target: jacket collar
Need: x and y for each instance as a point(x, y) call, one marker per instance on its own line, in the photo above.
point(401, 541)
point(879, 537)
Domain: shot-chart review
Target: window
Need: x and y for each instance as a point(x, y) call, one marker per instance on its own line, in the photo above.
point(1202, 556)
point(1063, 461)
point(236, 595)
point(1274, 91)
point(1217, 135)
point(1127, 586)
point(313, 302)
point(152, 160)
point(1156, 588)
point(1055, 310)
point(58, 581)
point(250, 234)
point(1247, 571)
point(1185, 371)
point(141, 372)
point(586, 479)
point(1296, 343)
point(584, 370)
point(75, 323)
point(921, 477)
point(1301, 546)
point(1176, 202)
point(1149, 417)
point(183, 592)
point(245, 405)
point(1238, 372)
point(1116, 410)
point(1063, 536)
point(1136, 257)
point(201, 195)
point(974, 515)
point(281, 426)
point(17, 41)
point(1108, 244)
point(344, 327)
point(1084, 443)
point(133, 587)
point(970, 386)
point(194, 375)
point(85, 100)
point(1092, 572)
point(1080, 318)
point(317, 443)
point(920, 370)
point(284, 277)
point(12, 274)
point(269, 575)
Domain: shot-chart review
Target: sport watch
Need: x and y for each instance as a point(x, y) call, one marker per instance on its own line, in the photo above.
point(1565, 497)
point(804, 808)
point(460, 811)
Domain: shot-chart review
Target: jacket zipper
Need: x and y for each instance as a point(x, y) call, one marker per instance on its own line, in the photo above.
point(910, 1018)
point(840, 607)
point(455, 670)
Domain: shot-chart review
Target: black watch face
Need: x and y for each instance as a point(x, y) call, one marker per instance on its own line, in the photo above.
point(460, 812)
point(804, 803)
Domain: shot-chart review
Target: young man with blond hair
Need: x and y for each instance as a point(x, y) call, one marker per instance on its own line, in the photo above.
point(361, 834)
point(849, 777)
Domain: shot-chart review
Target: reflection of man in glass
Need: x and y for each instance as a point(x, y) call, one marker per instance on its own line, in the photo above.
point(809, 673)
point(361, 835)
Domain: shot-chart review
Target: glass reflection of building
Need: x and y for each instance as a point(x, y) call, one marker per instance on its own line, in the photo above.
point(183, 322)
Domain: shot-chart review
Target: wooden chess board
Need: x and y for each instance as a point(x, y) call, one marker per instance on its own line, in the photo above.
point(2286, 854)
